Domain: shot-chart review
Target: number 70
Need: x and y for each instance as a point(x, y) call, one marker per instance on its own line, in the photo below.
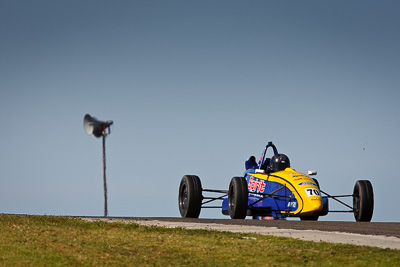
point(312, 192)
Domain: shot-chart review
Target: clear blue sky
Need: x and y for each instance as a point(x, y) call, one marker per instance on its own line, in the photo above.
point(194, 87)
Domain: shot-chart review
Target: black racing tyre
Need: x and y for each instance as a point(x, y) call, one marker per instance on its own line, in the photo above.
point(190, 196)
point(309, 218)
point(363, 201)
point(238, 198)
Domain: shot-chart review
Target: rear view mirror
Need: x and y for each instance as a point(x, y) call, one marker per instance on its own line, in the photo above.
point(312, 172)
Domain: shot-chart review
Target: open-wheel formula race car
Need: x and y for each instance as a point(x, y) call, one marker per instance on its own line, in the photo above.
point(271, 189)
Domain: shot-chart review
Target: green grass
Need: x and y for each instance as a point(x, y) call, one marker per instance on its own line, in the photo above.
point(61, 241)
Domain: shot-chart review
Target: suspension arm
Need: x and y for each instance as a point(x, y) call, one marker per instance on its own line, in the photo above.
point(211, 199)
point(335, 198)
point(216, 191)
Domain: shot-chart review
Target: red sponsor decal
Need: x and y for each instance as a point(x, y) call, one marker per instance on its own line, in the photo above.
point(256, 185)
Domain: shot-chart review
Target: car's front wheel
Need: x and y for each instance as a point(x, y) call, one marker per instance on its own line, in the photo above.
point(363, 201)
point(238, 198)
point(190, 196)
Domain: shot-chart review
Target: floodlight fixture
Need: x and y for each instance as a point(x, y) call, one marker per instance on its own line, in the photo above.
point(98, 128)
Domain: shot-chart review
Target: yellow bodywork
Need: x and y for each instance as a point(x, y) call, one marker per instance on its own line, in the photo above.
point(303, 187)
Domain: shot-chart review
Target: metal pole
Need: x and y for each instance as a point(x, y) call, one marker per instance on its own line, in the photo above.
point(104, 175)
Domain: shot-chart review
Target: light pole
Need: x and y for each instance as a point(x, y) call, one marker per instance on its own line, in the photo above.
point(98, 128)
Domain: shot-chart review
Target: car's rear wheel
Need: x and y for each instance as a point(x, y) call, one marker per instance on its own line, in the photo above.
point(190, 196)
point(363, 201)
point(238, 198)
point(309, 218)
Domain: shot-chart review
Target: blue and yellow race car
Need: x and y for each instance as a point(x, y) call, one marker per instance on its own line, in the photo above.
point(271, 189)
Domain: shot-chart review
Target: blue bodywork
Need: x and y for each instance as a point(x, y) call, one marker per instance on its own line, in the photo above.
point(259, 205)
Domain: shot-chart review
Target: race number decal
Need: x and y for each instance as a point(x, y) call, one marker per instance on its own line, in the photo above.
point(312, 192)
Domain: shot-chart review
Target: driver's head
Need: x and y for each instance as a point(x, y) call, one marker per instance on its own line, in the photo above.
point(279, 162)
